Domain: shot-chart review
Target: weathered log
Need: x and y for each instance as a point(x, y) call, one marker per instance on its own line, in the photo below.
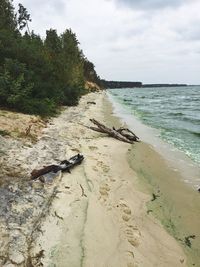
point(112, 132)
point(96, 129)
point(127, 133)
point(51, 168)
point(64, 165)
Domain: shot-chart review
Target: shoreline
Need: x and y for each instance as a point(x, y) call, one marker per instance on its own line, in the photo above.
point(164, 175)
point(109, 224)
point(98, 214)
point(175, 158)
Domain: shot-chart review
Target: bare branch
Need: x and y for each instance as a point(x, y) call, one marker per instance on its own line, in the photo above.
point(120, 134)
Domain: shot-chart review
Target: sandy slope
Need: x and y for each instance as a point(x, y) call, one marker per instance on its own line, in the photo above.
point(99, 217)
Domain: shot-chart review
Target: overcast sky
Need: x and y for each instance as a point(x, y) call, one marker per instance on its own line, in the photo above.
point(153, 41)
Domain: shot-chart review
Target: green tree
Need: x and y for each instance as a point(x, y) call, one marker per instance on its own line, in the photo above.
point(23, 18)
point(7, 16)
point(37, 76)
point(14, 89)
point(73, 68)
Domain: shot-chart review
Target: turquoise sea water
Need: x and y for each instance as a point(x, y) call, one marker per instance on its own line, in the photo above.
point(174, 111)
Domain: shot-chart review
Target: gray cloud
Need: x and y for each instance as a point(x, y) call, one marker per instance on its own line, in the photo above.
point(192, 32)
point(38, 6)
point(150, 4)
point(129, 39)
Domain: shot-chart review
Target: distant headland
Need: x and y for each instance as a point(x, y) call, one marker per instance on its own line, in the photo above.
point(164, 85)
point(120, 84)
point(127, 84)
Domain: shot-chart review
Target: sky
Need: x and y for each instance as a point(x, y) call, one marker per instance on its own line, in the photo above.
point(152, 41)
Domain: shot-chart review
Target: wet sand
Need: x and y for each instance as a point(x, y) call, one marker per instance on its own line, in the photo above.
point(177, 205)
point(100, 217)
point(173, 178)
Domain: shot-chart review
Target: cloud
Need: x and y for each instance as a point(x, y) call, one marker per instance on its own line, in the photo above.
point(150, 43)
point(150, 4)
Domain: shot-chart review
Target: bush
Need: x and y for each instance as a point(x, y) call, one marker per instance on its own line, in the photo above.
point(44, 107)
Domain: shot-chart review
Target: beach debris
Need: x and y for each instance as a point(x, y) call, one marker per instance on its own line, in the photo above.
point(83, 192)
point(28, 130)
point(122, 134)
point(188, 240)
point(64, 165)
point(59, 217)
point(154, 197)
point(91, 102)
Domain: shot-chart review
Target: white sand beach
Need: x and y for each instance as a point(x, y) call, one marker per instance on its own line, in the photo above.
point(99, 217)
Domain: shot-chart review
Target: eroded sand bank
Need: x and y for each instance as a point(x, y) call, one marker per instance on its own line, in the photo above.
point(99, 217)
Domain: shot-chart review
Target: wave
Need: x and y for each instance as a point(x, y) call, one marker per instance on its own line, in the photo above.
point(175, 114)
point(192, 120)
point(195, 133)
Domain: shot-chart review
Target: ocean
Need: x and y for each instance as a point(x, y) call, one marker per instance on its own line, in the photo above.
point(173, 111)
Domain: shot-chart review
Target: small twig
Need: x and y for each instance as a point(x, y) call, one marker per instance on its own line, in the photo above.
point(59, 217)
point(83, 192)
point(154, 197)
point(67, 187)
point(28, 129)
point(91, 102)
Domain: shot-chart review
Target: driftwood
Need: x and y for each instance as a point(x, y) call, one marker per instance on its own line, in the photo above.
point(64, 165)
point(91, 102)
point(122, 134)
point(128, 134)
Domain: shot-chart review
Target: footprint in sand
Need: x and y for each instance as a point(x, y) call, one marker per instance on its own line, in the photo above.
point(130, 259)
point(132, 233)
point(104, 167)
point(95, 168)
point(103, 190)
point(82, 131)
point(125, 217)
point(133, 241)
point(112, 179)
point(126, 211)
point(93, 148)
point(131, 265)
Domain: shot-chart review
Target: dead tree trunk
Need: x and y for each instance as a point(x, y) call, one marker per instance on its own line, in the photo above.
point(121, 134)
point(127, 133)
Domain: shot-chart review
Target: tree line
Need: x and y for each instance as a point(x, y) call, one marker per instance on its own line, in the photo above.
point(39, 75)
point(119, 84)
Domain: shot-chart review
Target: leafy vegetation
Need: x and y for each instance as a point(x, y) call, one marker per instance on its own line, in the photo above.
point(36, 75)
point(4, 132)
